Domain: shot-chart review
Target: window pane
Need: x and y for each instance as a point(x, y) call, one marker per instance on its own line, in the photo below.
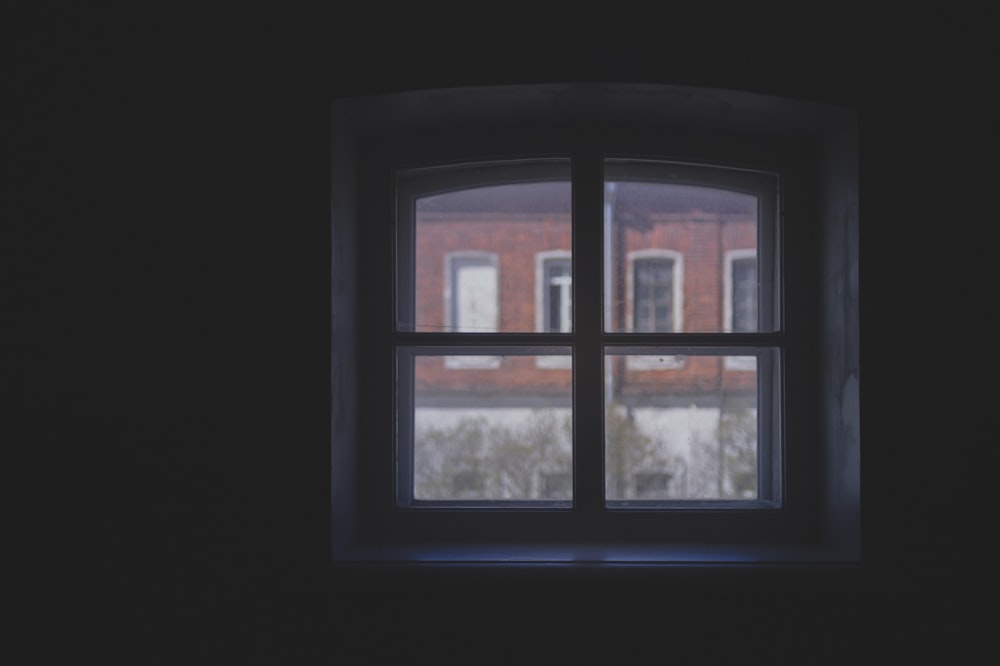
point(471, 239)
point(680, 427)
point(668, 231)
point(496, 427)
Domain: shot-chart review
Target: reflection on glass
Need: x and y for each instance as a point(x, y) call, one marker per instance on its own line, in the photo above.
point(680, 428)
point(679, 257)
point(491, 249)
point(492, 428)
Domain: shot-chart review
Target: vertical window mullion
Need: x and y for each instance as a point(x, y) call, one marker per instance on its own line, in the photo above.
point(588, 317)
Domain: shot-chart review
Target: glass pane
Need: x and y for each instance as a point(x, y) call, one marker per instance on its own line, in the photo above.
point(492, 426)
point(486, 248)
point(679, 250)
point(681, 427)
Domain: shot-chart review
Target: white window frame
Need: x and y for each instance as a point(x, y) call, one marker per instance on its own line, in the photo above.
point(658, 361)
point(814, 147)
point(730, 257)
point(541, 305)
point(468, 362)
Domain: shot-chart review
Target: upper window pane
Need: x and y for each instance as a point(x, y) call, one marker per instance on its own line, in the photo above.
point(485, 248)
point(669, 230)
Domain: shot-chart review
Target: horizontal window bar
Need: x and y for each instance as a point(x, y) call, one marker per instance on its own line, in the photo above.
point(481, 347)
point(562, 339)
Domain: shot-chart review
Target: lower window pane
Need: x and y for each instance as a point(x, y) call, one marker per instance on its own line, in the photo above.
point(490, 427)
point(681, 427)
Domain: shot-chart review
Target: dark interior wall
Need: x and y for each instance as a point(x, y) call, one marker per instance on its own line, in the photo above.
point(169, 231)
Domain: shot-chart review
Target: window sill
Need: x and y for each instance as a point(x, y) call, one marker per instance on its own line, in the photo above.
point(590, 555)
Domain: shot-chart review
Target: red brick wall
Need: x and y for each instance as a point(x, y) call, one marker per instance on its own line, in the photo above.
point(516, 239)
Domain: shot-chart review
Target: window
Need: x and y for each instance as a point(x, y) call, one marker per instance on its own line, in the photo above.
point(554, 300)
point(653, 294)
point(740, 299)
point(639, 335)
point(741, 291)
point(471, 301)
point(655, 301)
point(471, 293)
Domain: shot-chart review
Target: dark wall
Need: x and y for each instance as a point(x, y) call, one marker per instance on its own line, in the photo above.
point(169, 235)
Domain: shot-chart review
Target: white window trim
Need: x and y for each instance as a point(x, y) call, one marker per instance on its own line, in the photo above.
point(468, 362)
point(547, 362)
point(677, 315)
point(729, 258)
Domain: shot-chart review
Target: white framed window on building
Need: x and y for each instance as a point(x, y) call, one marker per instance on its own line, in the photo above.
point(655, 301)
point(554, 299)
point(740, 299)
point(471, 299)
point(494, 389)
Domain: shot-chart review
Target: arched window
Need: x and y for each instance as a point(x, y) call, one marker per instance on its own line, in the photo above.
point(718, 466)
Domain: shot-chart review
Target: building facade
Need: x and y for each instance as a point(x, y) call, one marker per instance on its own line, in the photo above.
point(498, 258)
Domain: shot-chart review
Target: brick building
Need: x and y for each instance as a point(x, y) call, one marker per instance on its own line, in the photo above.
point(497, 258)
